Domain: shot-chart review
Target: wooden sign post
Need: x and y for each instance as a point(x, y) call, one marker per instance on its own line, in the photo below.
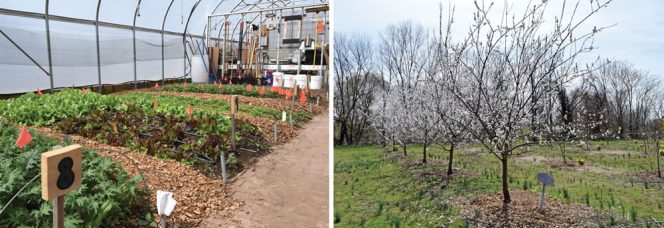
point(235, 106)
point(60, 174)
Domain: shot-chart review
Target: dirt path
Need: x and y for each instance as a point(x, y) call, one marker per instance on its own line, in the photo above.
point(287, 188)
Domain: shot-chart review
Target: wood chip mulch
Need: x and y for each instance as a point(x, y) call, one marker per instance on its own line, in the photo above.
point(649, 177)
point(487, 211)
point(266, 128)
point(197, 195)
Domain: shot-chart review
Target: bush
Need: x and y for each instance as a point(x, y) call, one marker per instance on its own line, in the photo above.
point(107, 196)
point(581, 161)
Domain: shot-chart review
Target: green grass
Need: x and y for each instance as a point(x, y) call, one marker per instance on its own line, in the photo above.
point(366, 177)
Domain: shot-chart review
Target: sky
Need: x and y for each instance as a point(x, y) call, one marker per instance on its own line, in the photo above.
point(637, 37)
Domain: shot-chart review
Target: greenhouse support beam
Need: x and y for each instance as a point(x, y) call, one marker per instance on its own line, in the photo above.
point(279, 39)
point(163, 23)
point(133, 31)
point(272, 9)
point(184, 38)
point(24, 52)
point(48, 45)
point(41, 16)
point(299, 52)
point(98, 55)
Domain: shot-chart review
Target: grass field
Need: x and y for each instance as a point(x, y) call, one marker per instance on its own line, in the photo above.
point(374, 188)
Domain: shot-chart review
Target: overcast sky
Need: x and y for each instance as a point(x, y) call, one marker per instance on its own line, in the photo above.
point(637, 37)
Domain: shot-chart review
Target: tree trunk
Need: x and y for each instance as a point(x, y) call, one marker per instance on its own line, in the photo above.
point(405, 153)
point(449, 162)
point(506, 191)
point(343, 135)
point(562, 151)
point(424, 154)
point(659, 171)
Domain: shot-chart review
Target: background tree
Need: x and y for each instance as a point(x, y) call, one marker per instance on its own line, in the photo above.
point(353, 87)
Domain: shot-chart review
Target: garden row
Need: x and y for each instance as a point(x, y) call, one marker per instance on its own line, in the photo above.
point(190, 130)
point(158, 125)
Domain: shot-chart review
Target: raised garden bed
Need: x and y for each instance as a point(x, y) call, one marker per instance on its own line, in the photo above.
point(226, 89)
point(177, 105)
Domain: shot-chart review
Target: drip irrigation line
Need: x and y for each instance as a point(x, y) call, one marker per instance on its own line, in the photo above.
point(19, 192)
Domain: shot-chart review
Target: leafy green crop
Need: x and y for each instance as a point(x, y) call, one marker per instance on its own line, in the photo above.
point(177, 105)
point(226, 89)
point(41, 110)
point(108, 196)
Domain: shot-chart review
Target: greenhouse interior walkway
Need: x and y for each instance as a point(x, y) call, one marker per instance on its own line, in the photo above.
point(287, 188)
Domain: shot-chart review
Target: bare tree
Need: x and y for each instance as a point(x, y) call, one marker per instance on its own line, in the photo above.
point(510, 69)
point(403, 60)
point(353, 87)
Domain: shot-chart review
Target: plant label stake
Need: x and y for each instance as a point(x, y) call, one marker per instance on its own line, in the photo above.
point(317, 101)
point(276, 131)
point(224, 174)
point(60, 174)
point(165, 205)
point(545, 179)
point(283, 116)
point(235, 106)
point(291, 118)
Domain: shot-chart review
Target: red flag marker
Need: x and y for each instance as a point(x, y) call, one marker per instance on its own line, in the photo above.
point(190, 111)
point(154, 103)
point(221, 86)
point(156, 85)
point(39, 91)
point(249, 87)
point(303, 97)
point(85, 92)
point(215, 82)
point(24, 138)
point(262, 91)
point(186, 85)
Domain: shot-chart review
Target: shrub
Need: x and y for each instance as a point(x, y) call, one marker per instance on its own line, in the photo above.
point(581, 161)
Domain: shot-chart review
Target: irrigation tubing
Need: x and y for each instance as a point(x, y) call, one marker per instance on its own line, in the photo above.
point(19, 192)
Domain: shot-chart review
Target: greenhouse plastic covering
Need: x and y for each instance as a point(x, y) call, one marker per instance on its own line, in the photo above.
point(24, 64)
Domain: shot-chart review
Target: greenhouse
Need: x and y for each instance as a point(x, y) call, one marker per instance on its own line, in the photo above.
point(137, 113)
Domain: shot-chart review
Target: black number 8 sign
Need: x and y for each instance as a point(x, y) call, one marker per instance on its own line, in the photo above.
point(67, 176)
point(61, 171)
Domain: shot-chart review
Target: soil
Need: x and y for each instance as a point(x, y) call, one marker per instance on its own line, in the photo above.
point(573, 165)
point(487, 211)
point(287, 188)
point(198, 196)
point(649, 177)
